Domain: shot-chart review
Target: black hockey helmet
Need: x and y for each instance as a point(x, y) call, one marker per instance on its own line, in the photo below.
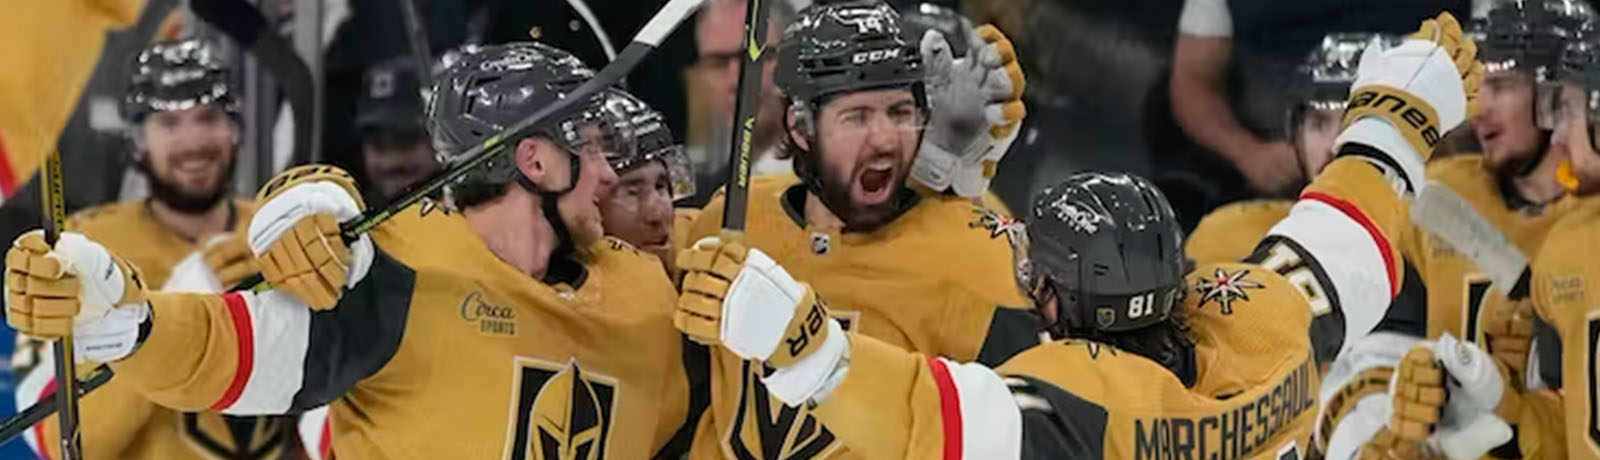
point(923, 17)
point(846, 46)
point(490, 88)
point(1109, 248)
point(177, 75)
point(1580, 66)
point(1530, 36)
point(653, 141)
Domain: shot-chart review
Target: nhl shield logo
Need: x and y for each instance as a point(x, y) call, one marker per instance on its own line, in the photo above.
point(563, 413)
point(821, 243)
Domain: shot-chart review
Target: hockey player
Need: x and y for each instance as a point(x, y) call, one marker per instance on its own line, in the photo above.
point(189, 235)
point(650, 178)
point(1564, 273)
point(510, 329)
point(1322, 83)
point(1218, 365)
point(927, 274)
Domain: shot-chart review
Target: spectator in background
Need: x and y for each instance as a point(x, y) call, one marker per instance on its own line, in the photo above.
point(1249, 44)
point(719, 30)
point(395, 150)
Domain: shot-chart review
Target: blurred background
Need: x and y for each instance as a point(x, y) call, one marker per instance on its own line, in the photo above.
point(1190, 93)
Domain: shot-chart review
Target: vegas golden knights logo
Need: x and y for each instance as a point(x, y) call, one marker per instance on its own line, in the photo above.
point(230, 437)
point(563, 413)
point(766, 429)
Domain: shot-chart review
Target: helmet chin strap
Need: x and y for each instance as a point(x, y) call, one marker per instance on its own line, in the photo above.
point(548, 204)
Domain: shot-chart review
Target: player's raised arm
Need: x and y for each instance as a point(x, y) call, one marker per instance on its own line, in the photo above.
point(240, 352)
point(1340, 241)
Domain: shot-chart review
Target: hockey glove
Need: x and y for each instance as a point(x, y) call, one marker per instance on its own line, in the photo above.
point(77, 288)
point(963, 146)
point(1444, 396)
point(295, 234)
point(1509, 333)
point(229, 257)
point(740, 298)
point(1407, 97)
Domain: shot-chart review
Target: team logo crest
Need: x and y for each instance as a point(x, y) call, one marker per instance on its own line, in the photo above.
point(766, 429)
point(563, 413)
point(1225, 288)
point(227, 436)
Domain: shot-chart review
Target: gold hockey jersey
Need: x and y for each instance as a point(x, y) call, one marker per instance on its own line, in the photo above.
point(124, 424)
point(1255, 396)
point(1232, 231)
point(938, 279)
point(1260, 329)
point(1564, 288)
point(444, 351)
point(1457, 291)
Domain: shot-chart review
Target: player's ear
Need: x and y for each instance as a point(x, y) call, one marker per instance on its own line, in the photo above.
point(529, 161)
point(798, 122)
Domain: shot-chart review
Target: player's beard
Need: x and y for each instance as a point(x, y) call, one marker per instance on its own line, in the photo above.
point(833, 188)
point(184, 199)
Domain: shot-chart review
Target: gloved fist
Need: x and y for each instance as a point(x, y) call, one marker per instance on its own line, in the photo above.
point(1407, 97)
point(1444, 395)
point(76, 288)
point(229, 257)
point(962, 147)
point(295, 234)
point(740, 298)
point(1508, 332)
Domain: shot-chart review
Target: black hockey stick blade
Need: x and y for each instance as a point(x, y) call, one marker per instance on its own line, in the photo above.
point(736, 196)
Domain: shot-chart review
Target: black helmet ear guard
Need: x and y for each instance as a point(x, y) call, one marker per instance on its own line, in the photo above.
point(1108, 247)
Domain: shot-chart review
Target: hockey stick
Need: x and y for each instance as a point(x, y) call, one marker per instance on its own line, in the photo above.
point(736, 196)
point(418, 34)
point(48, 404)
point(644, 43)
point(66, 398)
point(1443, 213)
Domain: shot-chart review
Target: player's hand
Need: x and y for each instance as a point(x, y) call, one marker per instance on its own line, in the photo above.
point(229, 257)
point(1407, 97)
point(295, 234)
point(79, 288)
point(740, 298)
point(963, 146)
point(1509, 333)
point(1444, 396)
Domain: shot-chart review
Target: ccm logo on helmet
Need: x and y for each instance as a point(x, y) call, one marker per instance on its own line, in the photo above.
point(875, 55)
point(1381, 100)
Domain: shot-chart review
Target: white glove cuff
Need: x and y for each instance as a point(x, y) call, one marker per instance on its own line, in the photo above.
point(761, 301)
point(934, 166)
point(112, 337)
point(1378, 134)
point(278, 215)
point(813, 378)
point(1473, 369)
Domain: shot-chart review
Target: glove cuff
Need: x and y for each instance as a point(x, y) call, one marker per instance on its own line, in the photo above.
point(812, 378)
point(807, 330)
point(1387, 148)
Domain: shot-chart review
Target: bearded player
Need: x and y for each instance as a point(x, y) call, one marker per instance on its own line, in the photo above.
point(1169, 362)
point(506, 326)
point(1321, 85)
point(926, 274)
point(189, 236)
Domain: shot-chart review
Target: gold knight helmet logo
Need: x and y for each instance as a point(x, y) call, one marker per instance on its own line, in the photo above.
point(567, 417)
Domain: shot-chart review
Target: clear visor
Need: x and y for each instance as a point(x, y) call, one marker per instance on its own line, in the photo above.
point(597, 131)
point(863, 125)
point(1547, 104)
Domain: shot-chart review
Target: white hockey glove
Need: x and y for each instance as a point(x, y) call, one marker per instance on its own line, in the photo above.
point(1407, 97)
point(295, 234)
point(741, 299)
point(1444, 395)
point(77, 287)
point(962, 146)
